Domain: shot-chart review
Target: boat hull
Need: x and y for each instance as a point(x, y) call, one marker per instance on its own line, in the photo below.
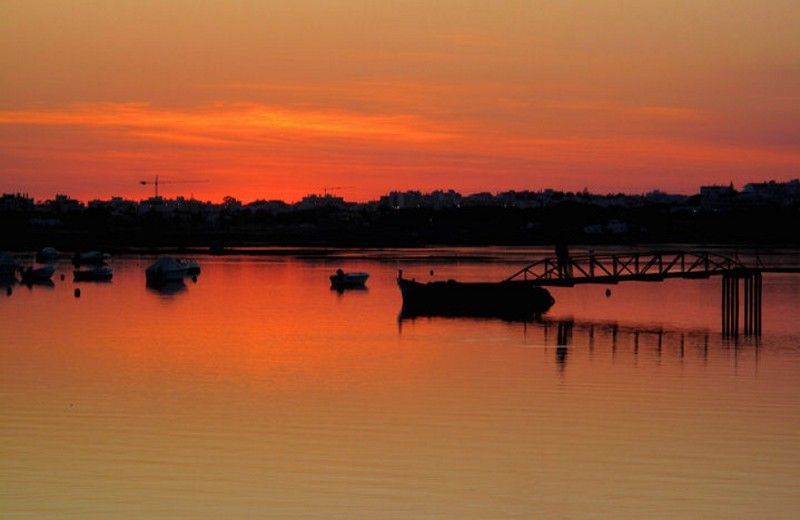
point(166, 276)
point(93, 275)
point(349, 279)
point(166, 270)
point(512, 300)
point(39, 274)
point(90, 258)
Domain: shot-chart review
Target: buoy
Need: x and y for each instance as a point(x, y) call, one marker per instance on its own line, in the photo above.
point(77, 292)
point(608, 293)
point(9, 290)
point(194, 279)
point(62, 277)
point(431, 272)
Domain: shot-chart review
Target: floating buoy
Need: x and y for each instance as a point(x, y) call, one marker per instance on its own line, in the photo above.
point(77, 292)
point(9, 290)
point(431, 272)
point(608, 293)
point(62, 277)
point(194, 279)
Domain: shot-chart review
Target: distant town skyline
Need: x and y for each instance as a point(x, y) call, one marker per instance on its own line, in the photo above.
point(775, 191)
point(285, 99)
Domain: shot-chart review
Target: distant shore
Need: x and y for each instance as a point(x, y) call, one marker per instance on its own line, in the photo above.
point(433, 253)
point(716, 216)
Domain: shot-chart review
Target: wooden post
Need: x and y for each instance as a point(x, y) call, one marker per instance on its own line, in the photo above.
point(747, 305)
point(724, 305)
point(757, 306)
point(735, 306)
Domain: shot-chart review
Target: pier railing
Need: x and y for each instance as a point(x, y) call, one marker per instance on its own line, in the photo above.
point(656, 266)
point(614, 268)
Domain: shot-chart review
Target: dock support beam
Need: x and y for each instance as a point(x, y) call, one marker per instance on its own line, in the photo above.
point(750, 302)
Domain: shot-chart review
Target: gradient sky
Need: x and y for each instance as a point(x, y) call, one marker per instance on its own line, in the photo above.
point(276, 99)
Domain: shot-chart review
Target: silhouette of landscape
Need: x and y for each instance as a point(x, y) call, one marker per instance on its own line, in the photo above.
point(758, 213)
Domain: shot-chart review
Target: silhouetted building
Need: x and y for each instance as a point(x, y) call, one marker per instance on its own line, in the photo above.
point(716, 197)
point(63, 204)
point(16, 202)
point(317, 201)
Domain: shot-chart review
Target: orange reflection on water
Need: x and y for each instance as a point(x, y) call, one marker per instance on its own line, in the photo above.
point(259, 390)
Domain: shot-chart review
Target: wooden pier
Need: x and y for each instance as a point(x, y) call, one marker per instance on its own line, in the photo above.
point(657, 266)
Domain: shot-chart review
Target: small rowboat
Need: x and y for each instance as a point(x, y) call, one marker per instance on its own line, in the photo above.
point(343, 280)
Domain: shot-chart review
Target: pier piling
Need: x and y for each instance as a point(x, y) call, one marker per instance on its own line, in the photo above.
point(750, 302)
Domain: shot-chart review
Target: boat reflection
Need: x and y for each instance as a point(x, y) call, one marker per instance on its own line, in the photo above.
point(619, 340)
point(30, 284)
point(8, 280)
point(341, 289)
point(170, 288)
point(7, 284)
point(488, 313)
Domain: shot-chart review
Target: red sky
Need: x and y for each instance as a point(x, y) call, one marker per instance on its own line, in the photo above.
point(279, 99)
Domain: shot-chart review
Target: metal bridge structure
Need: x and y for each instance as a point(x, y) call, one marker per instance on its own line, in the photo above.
point(657, 266)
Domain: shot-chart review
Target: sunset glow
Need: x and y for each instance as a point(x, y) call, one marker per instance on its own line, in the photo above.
point(274, 100)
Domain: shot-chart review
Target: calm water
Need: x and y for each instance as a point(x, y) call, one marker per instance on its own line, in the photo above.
point(259, 392)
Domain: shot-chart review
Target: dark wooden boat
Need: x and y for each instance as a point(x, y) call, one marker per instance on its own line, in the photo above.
point(510, 299)
point(100, 273)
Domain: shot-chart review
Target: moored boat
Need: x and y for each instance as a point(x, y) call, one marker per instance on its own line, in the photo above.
point(343, 280)
point(47, 255)
point(100, 273)
point(8, 265)
point(90, 258)
point(165, 269)
point(508, 299)
point(37, 274)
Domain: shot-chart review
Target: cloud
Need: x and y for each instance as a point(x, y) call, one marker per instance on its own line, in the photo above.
point(230, 123)
point(665, 113)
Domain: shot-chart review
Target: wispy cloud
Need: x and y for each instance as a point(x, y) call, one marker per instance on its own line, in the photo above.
point(650, 112)
point(230, 123)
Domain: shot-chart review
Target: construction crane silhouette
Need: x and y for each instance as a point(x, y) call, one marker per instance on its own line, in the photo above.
point(156, 182)
point(326, 189)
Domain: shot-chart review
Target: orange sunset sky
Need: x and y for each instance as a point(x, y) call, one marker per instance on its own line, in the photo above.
point(276, 99)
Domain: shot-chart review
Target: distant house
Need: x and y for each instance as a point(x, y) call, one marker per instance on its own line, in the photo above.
point(317, 201)
point(116, 206)
point(773, 192)
point(717, 191)
point(610, 227)
point(16, 202)
point(716, 197)
point(63, 204)
point(402, 200)
point(269, 206)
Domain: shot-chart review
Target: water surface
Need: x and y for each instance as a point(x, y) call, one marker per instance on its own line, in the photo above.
point(259, 392)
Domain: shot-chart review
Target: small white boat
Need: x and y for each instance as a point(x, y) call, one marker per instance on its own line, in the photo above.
point(164, 270)
point(37, 274)
point(90, 258)
point(8, 265)
point(47, 255)
point(343, 279)
point(100, 273)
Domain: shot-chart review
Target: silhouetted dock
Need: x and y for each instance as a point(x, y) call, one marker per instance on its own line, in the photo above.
point(657, 266)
